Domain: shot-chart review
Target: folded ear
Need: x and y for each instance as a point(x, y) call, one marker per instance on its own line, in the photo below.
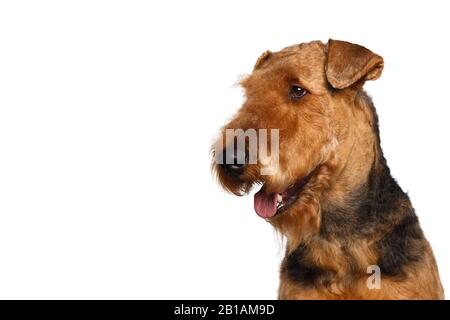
point(348, 63)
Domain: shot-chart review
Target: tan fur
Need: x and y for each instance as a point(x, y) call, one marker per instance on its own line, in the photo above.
point(421, 283)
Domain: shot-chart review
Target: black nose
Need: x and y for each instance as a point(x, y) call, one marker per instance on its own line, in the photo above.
point(234, 162)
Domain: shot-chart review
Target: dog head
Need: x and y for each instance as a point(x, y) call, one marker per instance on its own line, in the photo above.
point(297, 107)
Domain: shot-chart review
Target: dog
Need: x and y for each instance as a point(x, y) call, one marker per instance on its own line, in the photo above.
point(330, 194)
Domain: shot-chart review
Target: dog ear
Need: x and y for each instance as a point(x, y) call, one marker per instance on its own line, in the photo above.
point(348, 63)
point(263, 58)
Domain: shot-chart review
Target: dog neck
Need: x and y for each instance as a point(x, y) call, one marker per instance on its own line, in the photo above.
point(362, 188)
point(360, 205)
point(358, 147)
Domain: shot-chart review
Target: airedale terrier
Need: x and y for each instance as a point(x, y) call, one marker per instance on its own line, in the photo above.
point(331, 194)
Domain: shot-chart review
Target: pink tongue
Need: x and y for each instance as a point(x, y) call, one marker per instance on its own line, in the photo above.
point(265, 205)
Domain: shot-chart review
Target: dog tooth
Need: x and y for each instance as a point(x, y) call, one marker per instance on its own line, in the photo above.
point(279, 198)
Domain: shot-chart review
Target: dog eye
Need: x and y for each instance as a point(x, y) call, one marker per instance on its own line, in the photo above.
point(296, 92)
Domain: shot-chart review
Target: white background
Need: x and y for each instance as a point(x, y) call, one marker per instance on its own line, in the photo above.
point(107, 111)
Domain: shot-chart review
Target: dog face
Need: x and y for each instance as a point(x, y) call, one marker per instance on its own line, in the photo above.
point(304, 92)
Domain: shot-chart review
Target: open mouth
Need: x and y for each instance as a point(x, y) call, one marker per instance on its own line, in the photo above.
point(269, 205)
